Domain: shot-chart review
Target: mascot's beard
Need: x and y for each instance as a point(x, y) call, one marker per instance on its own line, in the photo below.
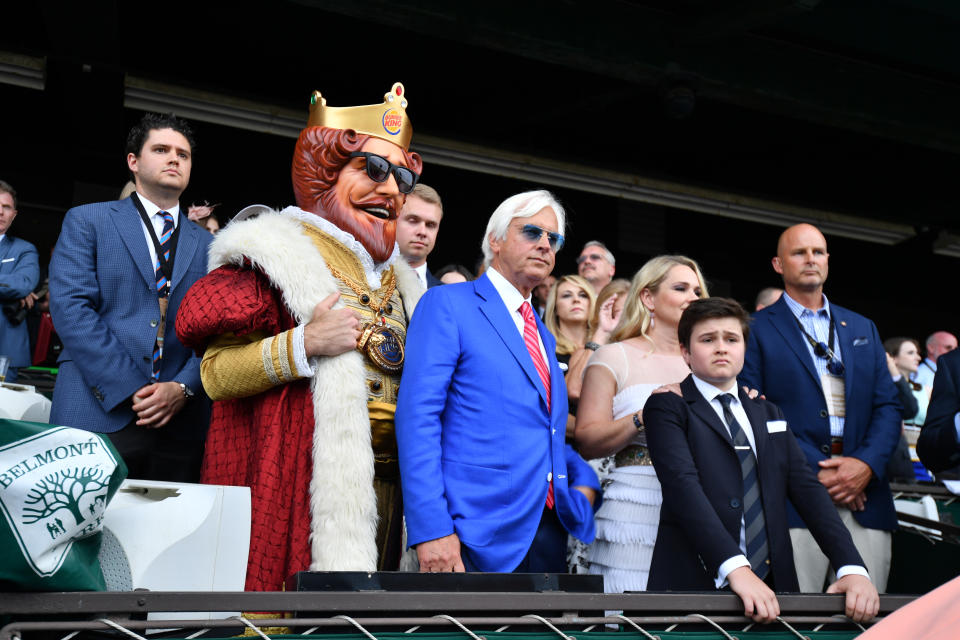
point(377, 236)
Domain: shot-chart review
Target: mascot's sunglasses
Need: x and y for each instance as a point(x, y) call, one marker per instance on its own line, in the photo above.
point(379, 169)
point(533, 233)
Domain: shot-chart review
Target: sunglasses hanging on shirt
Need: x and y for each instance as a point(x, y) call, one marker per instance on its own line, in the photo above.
point(821, 350)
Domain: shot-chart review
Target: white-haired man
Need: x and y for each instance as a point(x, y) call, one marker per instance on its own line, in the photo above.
point(596, 264)
point(488, 483)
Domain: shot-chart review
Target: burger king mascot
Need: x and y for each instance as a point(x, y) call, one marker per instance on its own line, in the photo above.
point(301, 322)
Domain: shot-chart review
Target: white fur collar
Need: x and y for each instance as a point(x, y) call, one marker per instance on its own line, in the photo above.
point(372, 270)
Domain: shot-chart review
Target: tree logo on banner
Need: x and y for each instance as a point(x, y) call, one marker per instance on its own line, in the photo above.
point(76, 490)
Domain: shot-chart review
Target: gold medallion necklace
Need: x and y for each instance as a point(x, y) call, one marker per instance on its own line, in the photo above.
point(379, 342)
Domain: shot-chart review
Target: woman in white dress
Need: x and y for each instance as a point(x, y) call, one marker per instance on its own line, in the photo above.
point(644, 354)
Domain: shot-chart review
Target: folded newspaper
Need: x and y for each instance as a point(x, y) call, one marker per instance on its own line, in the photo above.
point(55, 484)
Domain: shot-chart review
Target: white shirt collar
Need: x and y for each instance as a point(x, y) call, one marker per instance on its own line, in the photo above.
point(710, 391)
point(798, 309)
point(510, 295)
point(153, 209)
point(421, 273)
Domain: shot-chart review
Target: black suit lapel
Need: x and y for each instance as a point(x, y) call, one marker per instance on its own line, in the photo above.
point(701, 407)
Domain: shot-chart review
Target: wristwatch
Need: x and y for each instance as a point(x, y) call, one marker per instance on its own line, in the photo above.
point(187, 391)
point(593, 346)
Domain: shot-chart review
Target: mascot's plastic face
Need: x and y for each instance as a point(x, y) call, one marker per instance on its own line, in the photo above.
point(366, 209)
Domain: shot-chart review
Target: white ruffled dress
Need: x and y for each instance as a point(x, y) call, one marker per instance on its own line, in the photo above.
point(628, 519)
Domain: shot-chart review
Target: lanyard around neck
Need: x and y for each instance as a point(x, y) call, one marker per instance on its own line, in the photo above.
point(814, 342)
point(166, 265)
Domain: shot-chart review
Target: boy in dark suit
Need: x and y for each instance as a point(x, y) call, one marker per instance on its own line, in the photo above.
point(727, 465)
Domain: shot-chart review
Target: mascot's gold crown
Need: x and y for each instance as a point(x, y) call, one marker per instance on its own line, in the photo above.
point(388, 121)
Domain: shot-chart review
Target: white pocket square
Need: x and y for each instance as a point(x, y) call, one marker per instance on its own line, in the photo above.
point(776, 426)
point(8, 260)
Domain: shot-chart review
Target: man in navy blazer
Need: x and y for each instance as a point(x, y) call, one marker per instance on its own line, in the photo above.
point(825, 367)
point(727, 465)
point(105, 305)
point(19, 273)
point(939, 443)
point(488, 482)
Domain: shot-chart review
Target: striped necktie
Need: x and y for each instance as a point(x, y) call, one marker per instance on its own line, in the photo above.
point(165, 236)
point(753, 520)
point(163, 288)
point(531, 338)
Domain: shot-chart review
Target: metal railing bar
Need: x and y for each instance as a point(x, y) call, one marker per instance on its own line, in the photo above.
point(383, 602)
point(13, 630)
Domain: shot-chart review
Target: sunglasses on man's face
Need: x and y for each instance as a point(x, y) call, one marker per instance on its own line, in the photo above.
point(533, 233)
point(592, 257)
point(379, 170)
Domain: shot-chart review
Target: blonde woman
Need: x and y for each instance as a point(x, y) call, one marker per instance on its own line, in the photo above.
point(569, 316)
point(643, 354)
point(606, 314)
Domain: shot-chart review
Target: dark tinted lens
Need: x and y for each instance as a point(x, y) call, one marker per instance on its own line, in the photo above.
point(556, 240)
point(532, 232)
point(836, 367)
point(377, 168)
point(406, 179)
point(820, 350)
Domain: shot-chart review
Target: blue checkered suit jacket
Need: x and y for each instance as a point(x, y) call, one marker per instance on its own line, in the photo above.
point(104, 305)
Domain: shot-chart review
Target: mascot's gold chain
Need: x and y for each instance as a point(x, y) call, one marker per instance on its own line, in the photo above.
point(366, 296)
point(379, 343)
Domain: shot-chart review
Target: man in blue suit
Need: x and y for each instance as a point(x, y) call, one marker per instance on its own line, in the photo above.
point(19, 273)
point(488, 483)
point(115, 287)
point(939, 443)
point(825, 367)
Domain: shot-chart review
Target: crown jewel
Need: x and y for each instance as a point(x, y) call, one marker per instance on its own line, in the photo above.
point(388, 121)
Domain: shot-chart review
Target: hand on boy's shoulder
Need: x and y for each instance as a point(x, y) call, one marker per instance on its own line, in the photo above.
point(673, 387)
point(753, 394)
point(664, 396)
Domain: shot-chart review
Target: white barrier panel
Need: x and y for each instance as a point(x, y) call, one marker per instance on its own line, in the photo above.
point(22, 402)
point(169, 536)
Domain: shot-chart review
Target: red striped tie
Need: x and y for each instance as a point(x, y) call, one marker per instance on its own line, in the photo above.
point(532, 340)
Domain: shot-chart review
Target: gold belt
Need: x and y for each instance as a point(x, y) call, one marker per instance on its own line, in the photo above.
point(633, 455)
point(383, 440)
